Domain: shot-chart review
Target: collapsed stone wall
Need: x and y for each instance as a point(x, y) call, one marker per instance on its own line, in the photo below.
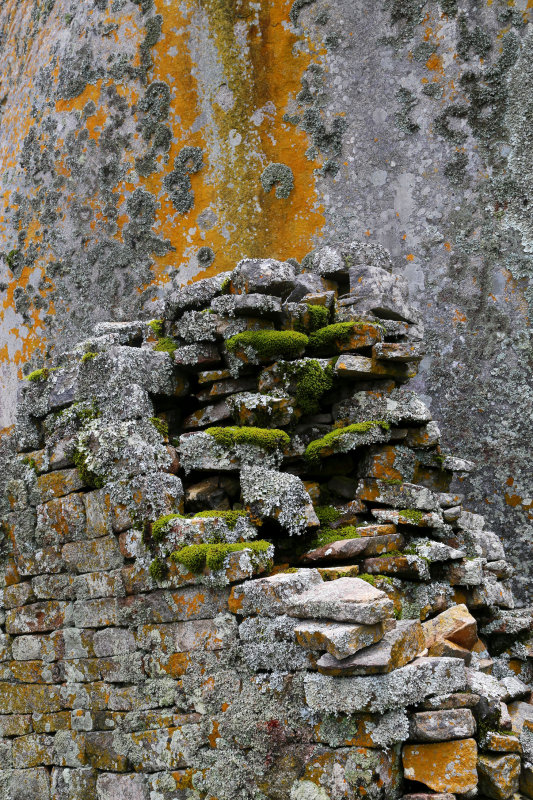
point(236, 565)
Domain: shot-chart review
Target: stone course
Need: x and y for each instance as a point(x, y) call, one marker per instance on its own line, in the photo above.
point(236, 565)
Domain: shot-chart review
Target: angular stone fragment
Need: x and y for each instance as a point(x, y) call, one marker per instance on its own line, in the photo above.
point(379, 292)
point(491, 592)
point(446, 648)
point(345, 600)
point(378, 693)
point(441, 726)
point(262, 410)
point(455, 624)
point(402, 566)
point(197, 356)
point(338, 639)
point(501, 743)
point(398, 647)
point(263, 275)
point(468, 573)
point(400, 352)
point(350, 367)
point(447, 701)
point(432, 796)
point(400, 407)
point(498, 775)
point(351, 548)
point(402, 495)
point(210, 415)
point(58, 483)
point(443, 767)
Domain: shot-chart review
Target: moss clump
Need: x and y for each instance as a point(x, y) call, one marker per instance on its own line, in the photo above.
point(313, 450)
point(31, 463)
point(330, 535)
point(38, 375)
point(374, 580)
point(166, 345)
point(89, 477)
point(331, 336)
point(311, 384)
point(270, 344)
point(318, 316)
point(196, 557)
point(327, 514)
point(230, 518)
point(159, 527)
point(412, 515)
point(160, 425)
point(88, 357)
point(157, 326)
point(267, 438)
point(158, 569)
point(226, 285)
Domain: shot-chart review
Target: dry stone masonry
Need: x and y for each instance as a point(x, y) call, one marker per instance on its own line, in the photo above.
point(236, 566)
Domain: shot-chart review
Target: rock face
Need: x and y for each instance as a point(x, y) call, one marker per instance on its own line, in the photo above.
point(180, 616)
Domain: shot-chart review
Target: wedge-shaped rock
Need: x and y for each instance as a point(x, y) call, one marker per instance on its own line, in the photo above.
point(443, 767)
point(338, 639)
point(398, 647)
point(401, 495)
point(345, 600)
point(378, 693)
point(376, 290)
point(263, 275)
point(361, 367)
point(400, 407)
point(468, 573)
point(501, 742)
point(498, 775)
point(445, 648)
point(442, 726)
point(351, 548)
point(403, 566)
point(455, 624)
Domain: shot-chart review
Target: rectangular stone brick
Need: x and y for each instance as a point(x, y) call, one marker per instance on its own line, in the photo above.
point(74, 784)
point(93, 555)
point(25, 699)
point(93, 696)
point(69, 748)
point(92, 585)
point(57, 484)
point(81, 670)
point(35, 672)
point(15, 724)
point(18, 595)
point(53, 587)
point(122, 669)
point(96, 613)
point(46, 561)
point(151, 751)
point(34, 750)
point(101, 753)
point(170, 606)
point(50, 723)
point(123, 787)
point(98, 513)
point(25, 784)
point(60, 521)
point(45, 616)
point(114, 642)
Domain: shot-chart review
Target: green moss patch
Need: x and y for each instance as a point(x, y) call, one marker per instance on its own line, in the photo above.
point(196, 557)
point(327, 514)
point(412, 515)
point(318, 316)
point(166, 345)
point(334, 438)
point(270, 344)
point(88, 357)
point(230, 518)
point(157, 326)
point(158, 569)
point(331, 336)
point(38, 375)
point(330, 535)
point(160, 425)
point(312, 383)
point(89, 477)
point(266, 438)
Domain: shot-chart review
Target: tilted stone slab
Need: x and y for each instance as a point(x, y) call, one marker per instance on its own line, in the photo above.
point(272, 596)
point(405, 686)
point(338, 639)
point(443, 767)
point(398, 647)
point(345, 600)
point(402, 495)
point(442, 726)
point(351, 548)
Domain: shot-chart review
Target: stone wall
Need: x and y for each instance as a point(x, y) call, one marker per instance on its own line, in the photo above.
point(234, 565)
point(143, 141)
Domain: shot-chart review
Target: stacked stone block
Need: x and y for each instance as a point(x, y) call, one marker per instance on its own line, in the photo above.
point(237, 566)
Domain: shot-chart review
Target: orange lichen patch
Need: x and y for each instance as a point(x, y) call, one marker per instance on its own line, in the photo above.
point(458, 317)
point(214, 735)
point(513, 500)
point(443, 767)
point(410, 257)
point(434, 63)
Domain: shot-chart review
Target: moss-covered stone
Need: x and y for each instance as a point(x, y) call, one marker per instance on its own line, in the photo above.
point(269, 344)
point(266, 438)
point(230, 517)
point(334, 440)
point(196, 557)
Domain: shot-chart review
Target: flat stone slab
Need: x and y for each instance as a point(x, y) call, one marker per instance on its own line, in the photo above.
point(344, 600)
point(378, 693)
point(340, 640)
point(396, 648)
point(270, 596)
point(445, 701)
point(501, 743)
point(442, 726)
point(443, 767)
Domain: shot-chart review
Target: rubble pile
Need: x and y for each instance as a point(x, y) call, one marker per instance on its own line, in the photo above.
point(237, 565)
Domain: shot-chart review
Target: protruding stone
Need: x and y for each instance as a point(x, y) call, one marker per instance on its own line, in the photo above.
point(455, 624)
point(498, 775)
point(501, 743)
point(401, 495)
point(338, 639)
point(443, 767)
point(345, 600)
point(398, 647)
point(271, 596)
point(263, 275)
point(378, 693)
point(442, 726)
